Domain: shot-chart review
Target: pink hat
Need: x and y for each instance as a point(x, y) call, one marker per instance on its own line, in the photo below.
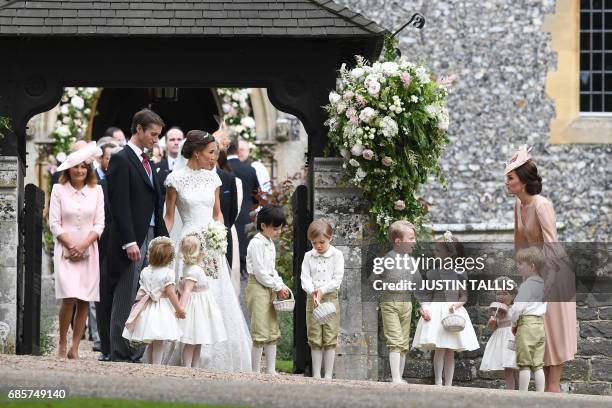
point(518, 159)
point(85, 154)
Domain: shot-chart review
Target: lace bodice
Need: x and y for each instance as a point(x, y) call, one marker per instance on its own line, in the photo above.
point(195, 198)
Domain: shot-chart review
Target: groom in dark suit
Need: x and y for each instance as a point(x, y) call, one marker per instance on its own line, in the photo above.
point(250, 188)
point(228, 200)
point(135, 203)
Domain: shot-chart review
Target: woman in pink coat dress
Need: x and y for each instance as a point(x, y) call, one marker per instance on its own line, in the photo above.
point(76, 220)
point(535, 224)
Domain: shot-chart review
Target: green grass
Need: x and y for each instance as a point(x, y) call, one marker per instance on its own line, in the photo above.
point(286, 366)
point(99, 403)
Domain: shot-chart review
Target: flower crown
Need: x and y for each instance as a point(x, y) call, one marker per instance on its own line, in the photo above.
point(162, 240)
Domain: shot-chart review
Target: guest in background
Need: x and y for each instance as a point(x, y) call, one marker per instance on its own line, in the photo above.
point(174, 139)
point(116, 134)
point(76, 220)
point(263, 177)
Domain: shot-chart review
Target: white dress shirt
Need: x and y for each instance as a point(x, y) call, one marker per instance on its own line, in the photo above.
point(171, 162)
point(261, 262)
point(262, 176)
point(528, 301)
point(322, 271)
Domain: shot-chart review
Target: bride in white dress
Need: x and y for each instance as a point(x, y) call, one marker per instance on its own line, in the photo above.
point(193, 190)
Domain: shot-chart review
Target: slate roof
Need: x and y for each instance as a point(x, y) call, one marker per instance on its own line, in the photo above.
point(234, 18)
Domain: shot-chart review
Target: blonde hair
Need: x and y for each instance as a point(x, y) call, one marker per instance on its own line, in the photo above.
point(161, 252)
point(508, 281)
point(532, 256)
point(320, 227)
point(399, 228)
point(191, 249)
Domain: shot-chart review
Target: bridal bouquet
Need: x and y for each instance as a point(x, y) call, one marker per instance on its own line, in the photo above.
point(216, 237)
point(389, 122)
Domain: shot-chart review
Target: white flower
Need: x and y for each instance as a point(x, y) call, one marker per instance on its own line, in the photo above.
point(341, 107)
point(247, 122)
point(334, 98)
point(226, 108)
point(432, 110)
point(367, 114)
point(354, 163)
point(345, 153)
point(399, 205)
point(239, 128)
point(77, 102)
point(357, 72)
point(390, 68)
point(368, 154)
point(71, 92)
point(61, 156)
point(360, 174)
point(374, 88)
point(66, 120)
point(414, 98)
point(64, 109)
point(387, 161)
point(348, 95)
point(63, 131)
point(357, 150)
point(422, 75)
point(388, 127)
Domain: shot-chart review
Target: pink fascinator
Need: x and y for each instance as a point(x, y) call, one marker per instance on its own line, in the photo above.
point(85, 154)
point(518, 159)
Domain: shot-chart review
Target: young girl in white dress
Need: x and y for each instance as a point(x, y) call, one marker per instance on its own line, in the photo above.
point(430, 333)
point(153, 318)
point(203, 323)
point(497, 356)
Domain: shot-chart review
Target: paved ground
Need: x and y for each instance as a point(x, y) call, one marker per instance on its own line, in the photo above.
point(88, 377)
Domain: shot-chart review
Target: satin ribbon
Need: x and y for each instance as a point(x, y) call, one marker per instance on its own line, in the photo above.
point(143, 297)
point(504, 324)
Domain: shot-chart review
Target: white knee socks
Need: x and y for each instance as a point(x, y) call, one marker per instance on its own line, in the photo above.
point(395, 362)
point(438, 361)
point(270, 350)
point(449, 367)
point(524, 377)
point(256, 359)
point(317, 358)
point(329, 355)
point(402, 363)
point(188, 350)
point(197, 350)
point(540, 380)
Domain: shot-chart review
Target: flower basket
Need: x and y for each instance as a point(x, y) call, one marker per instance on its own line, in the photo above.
point(453, 323)
point(324, 312)
point(286, 305)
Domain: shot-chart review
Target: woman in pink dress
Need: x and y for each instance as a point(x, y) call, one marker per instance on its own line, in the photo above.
point(76, 220)
point(535, 224)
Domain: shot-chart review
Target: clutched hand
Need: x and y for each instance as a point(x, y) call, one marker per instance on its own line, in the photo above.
point(425, 314)
point(133, 253)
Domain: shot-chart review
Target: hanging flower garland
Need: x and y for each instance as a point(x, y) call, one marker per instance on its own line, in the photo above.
point(389, 121)
point(237, 115)
point(72, 120)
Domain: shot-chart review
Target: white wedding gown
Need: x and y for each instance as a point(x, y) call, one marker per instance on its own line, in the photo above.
point(195, 201)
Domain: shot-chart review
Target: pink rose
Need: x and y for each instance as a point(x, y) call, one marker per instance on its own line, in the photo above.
point(354, 120)
point(348, 95)
point(399, 205)
point(360, 100)
point(367, 154)
point(406, 79)
point(387, 161)
point(357, 150)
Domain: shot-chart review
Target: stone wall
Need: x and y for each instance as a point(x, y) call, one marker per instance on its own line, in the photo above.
point(9, 210)
point(501, 58)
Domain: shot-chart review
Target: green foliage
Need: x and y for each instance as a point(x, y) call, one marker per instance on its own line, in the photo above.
point(389, 121)
point(5, 125)
point(236, 105)
point(285, 343)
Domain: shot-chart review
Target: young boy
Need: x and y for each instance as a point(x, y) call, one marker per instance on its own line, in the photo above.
point(528, 318)
point(264, 285)
point(396, 307)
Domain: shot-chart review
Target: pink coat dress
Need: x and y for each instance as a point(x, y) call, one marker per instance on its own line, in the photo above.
point(539, 227)
point(76, 213)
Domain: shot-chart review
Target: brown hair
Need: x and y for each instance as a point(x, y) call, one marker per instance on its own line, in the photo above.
point(195, 141)
point(528, 174)
point(145, 118)
point(532, 256)
point(320, 227)
point(398, 229)
point(90, 179)
point(455, 248)
point(161, 254)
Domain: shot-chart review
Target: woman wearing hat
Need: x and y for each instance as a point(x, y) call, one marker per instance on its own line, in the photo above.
point(76, 220)
point(535, 224)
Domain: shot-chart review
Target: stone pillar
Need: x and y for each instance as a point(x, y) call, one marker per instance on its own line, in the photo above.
point(357, 351)
point(9, 242)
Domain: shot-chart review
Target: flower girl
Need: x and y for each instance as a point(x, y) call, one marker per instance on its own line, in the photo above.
point(153, 316)
point(497, 356)
point(203, 323)
point(430, 333)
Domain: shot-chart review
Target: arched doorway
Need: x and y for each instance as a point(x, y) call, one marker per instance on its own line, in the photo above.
point(187, 108)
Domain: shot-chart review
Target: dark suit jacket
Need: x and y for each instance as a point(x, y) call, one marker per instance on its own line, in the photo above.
point(108, 220)
point(229, 205)
point(250, 186)
point(162, 170)
point(133, 200)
